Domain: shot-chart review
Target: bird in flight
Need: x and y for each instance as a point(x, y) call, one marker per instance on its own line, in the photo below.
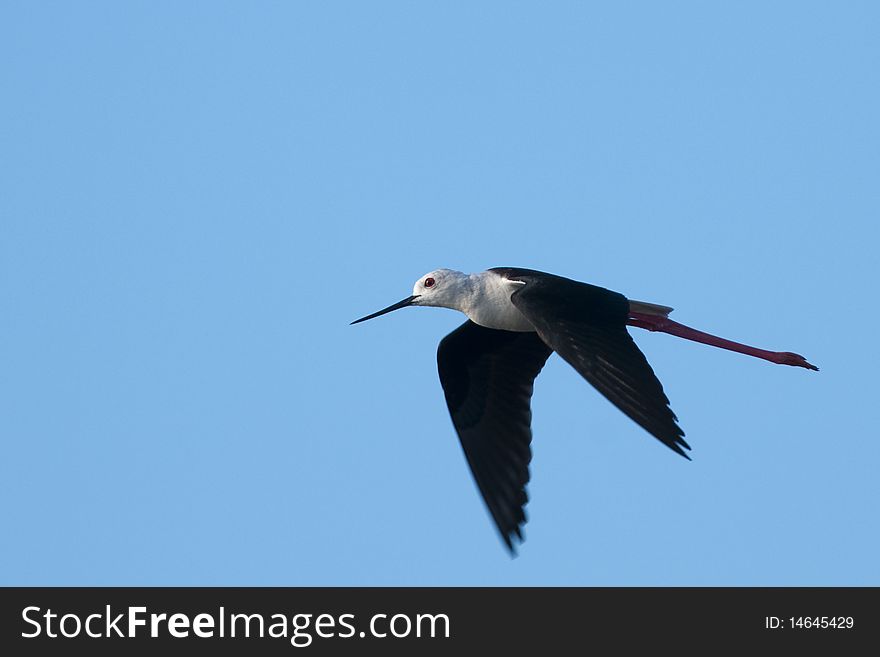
point(516, 319)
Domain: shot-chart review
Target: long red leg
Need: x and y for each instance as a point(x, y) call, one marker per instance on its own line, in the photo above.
point(666, 325)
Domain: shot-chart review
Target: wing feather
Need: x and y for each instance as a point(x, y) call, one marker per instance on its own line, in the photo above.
point(487, 377)
point(586, 325)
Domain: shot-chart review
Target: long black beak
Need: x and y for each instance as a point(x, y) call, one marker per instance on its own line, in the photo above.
point(400, 304)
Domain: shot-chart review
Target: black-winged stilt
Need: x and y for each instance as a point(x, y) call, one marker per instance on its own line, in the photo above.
point(516, 319)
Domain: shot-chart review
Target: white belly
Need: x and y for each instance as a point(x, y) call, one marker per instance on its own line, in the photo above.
point(493, 308)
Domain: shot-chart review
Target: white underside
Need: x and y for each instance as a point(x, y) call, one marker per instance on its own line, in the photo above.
point(489, 303)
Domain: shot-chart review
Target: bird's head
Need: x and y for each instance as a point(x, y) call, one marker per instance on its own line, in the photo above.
point(441, 287)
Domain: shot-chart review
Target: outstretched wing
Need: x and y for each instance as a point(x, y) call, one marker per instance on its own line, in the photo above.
point(487, 377)
point(586, 325)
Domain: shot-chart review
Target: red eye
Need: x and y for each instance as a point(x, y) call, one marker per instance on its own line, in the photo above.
point(429, 282)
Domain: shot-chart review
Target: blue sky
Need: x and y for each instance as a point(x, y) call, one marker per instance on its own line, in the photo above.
point(198, 197)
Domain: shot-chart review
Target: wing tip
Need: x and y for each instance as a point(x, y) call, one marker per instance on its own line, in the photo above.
point(677, 444)
point(508, 538)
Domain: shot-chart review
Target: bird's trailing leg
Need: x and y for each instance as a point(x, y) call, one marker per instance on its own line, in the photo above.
point(659, 322)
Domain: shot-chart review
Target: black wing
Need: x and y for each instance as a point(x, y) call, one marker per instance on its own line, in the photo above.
point(586, 325)
point(487, 377)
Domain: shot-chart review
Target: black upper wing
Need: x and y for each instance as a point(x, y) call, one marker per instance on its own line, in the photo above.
point(586, 325)
point(487, 377)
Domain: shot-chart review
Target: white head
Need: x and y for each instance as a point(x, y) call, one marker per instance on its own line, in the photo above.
point(445, 288)
point(441, 288)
